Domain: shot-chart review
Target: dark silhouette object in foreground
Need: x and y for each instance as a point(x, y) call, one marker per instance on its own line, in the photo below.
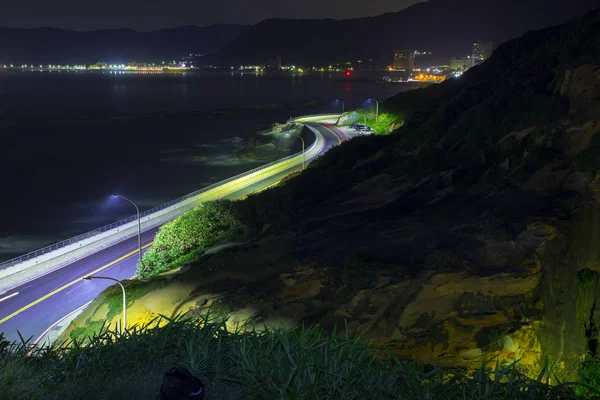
point(179, 384)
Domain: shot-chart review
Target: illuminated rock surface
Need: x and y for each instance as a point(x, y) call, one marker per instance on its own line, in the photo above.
point(471, 234)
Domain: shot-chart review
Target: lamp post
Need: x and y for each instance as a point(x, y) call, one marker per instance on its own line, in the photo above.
point(343, 105)
point(376, 111)
point(303, 154)
point(139, 223)
point(87, 278)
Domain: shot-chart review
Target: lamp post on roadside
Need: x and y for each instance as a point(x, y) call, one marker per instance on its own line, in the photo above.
point(139, 222)
point(303, 154)
point(376, 111)
point(124, 327)
point(343, 105)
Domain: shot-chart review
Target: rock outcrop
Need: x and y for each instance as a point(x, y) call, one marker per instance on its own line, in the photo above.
point(272, 143)
point(471, 235)
point(454, 297)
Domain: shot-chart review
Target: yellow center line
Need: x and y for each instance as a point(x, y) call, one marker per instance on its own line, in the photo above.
point(334, 134)
point(109, 264)
point(60, 289)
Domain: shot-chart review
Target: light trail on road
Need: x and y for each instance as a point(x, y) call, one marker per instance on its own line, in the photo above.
point(48, 298)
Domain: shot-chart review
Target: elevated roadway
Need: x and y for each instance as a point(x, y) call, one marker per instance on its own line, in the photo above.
point(34, 305)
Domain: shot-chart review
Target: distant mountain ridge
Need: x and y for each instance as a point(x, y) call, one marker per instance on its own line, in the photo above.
point(447, 28)
point(51, 45)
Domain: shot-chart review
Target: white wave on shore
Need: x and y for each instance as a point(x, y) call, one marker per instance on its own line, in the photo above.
point(218, 160)
point(235, 139)
point(220, 153)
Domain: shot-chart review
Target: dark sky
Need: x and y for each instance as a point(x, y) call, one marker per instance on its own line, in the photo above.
point(146, 15)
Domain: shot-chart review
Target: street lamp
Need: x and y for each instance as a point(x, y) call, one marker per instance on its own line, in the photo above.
point(377, 111)
point(343, 105)
point(88, 278)
point(139, 223)
point(303, 154)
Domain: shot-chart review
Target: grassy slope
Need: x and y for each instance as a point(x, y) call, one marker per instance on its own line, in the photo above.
point(463, 117)
point(277, 364)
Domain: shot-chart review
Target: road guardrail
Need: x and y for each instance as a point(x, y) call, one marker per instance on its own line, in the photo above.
point(123, 222)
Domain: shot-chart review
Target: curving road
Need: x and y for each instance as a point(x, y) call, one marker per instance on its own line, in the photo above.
point(31, 308)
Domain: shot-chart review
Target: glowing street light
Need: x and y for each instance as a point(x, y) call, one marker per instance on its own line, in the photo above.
point(343, 105)
point(88, 278)
point(303, 154)
point(139, 223)
point(376, 110)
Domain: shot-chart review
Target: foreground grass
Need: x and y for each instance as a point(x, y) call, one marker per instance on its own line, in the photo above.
point(244, 363)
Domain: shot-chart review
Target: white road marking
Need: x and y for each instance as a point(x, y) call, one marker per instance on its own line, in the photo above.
point(58, 322)
point(9, 296)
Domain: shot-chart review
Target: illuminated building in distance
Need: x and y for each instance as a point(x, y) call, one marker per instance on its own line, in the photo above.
point(482, 51)
point(404, 60)
point(274, 64)
point(462, 63)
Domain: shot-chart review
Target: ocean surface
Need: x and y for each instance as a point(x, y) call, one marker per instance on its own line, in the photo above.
point(70, 140)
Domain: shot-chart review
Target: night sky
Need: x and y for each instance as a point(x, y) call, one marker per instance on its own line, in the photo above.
point(144, 15)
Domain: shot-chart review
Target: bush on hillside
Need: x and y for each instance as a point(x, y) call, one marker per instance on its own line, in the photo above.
point(385, 120)
point(590, 377)
point(193, 230)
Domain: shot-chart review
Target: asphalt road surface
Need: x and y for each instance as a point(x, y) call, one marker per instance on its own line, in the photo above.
point(32, 307)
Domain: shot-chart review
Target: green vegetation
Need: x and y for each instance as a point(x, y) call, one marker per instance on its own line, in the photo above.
point(134, 288)
point(586, 277)
point(239, 363)
point(185, 238)
point(492, 338)
point(88, 330)
point(113, 297)
point(454, 126)
point(590, 377)
point(386, 121)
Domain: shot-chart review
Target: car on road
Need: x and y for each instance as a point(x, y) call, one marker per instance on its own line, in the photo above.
point(365, 130)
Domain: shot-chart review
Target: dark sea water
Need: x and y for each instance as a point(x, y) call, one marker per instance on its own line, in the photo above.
point(69, 140)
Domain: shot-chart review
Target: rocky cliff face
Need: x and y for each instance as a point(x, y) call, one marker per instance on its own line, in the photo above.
point(494, 259)
point(273, 143)
point(427, 270)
